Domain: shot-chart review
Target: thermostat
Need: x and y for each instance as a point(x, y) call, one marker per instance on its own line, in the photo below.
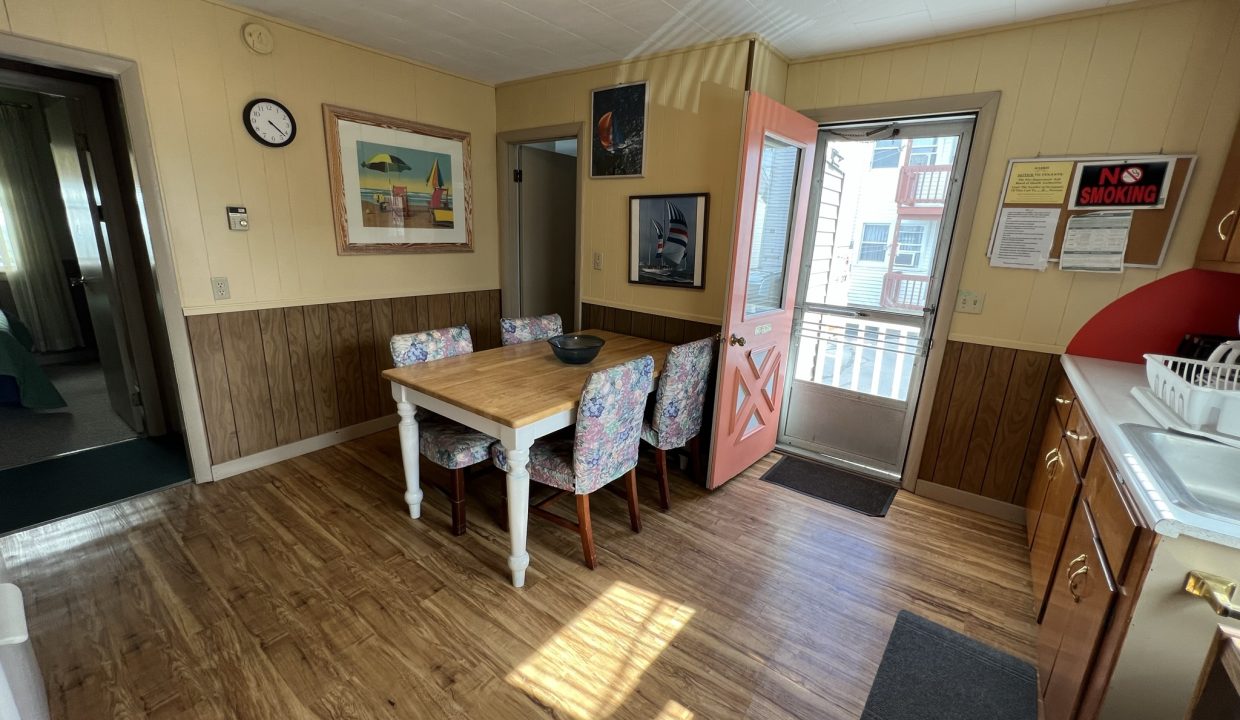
point(238, 219)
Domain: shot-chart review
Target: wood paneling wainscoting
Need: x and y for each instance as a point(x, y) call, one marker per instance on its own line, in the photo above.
point(272, 377)
point(644, 325)
point(986, 422)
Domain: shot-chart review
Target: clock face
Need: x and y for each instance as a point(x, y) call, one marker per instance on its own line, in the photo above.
point(269, 122)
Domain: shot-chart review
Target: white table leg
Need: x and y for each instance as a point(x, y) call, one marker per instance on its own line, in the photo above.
point(409, 452)
point(518, 511)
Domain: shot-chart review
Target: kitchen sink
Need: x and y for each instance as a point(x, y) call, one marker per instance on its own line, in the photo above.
point(1201, 476)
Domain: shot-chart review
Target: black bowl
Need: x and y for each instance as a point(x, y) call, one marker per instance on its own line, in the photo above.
point(576, 349)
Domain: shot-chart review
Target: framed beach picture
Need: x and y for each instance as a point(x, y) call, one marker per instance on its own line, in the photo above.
point(397, 186)
point(667, 240)
point(618, 135)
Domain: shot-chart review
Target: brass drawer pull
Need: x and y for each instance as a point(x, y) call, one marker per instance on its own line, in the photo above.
point(1215, 590)
point(1052, 457)
point(1074, 435)
point(1079, 558)
point(1063, 400)
point(1072, 577)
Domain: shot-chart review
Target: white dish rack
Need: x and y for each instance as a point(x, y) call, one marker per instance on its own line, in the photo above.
point(1203, 396)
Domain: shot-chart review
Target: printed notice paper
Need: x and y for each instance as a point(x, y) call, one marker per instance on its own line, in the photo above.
point(1038, 183)
point(1023, 238)
point(1096, 242)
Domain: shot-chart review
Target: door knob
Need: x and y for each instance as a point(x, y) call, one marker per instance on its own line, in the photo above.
point(733, 340)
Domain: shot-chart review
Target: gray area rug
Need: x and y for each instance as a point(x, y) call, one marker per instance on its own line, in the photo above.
point(31, 435)
point(929, 672)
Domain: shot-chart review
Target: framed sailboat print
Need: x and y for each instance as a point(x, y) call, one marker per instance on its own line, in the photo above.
point(667, 240)
point(397, 186)
point(618, 131)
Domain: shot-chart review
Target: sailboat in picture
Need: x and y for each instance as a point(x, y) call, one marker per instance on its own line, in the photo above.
point(666, 257)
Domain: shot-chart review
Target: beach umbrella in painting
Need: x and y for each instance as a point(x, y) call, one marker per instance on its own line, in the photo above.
point(386, 162)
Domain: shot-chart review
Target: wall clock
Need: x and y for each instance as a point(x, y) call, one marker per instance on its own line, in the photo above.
point(269, 122)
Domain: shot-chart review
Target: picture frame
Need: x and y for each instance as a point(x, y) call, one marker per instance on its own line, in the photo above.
point(618, 115)
point(667, 240)
point(397, 186)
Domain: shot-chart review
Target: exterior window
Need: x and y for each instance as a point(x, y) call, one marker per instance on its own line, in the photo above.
point(874, 242)
point(886, 154)
point(6, 246)
point(924, 151)
point(910, 245)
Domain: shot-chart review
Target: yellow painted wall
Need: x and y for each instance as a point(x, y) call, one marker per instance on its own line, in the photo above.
point(692, 145)
point(1156, 78)
point(197, 76)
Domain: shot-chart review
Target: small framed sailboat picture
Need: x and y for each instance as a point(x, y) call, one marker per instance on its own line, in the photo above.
point(397, 186)
point(667, 240)
point(618, 131)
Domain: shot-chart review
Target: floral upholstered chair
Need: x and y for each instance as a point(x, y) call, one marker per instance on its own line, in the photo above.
point(603, 447)
point(448, 444)
point(678, 407)
point(514, 331)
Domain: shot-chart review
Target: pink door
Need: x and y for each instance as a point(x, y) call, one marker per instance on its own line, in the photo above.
point(776, 159)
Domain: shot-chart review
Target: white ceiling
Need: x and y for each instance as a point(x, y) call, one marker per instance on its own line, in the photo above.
point(499, 40)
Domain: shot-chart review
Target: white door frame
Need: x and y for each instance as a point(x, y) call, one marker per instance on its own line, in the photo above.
point(133, 109)
point(509, 219)
point(986, 107)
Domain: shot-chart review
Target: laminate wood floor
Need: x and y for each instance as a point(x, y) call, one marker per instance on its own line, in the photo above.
point(303, 590)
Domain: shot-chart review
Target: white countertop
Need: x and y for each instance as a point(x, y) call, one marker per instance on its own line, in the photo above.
point(1104, 388)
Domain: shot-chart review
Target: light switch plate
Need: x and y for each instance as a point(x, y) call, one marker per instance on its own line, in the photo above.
point(598, 261)
point(219, 288)
point(970, 302)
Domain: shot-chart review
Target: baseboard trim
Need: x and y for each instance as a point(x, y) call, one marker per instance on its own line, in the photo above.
point(970, 501)
point(301, 447)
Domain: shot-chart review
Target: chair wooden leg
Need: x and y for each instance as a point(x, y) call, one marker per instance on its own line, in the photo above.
point(695, 457)
point(457, 496)
point(660, 461)
point(635, 519)
point(586, 530)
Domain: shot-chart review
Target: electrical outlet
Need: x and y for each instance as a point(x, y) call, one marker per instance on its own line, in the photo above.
point(598, 261)
point(970, 302)
point(219, 288)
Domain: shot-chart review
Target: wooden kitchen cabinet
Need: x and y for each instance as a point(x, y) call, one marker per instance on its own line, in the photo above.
point(1063, 486)
point(1049, 464)
point(1219, 248)
point(1076, 617)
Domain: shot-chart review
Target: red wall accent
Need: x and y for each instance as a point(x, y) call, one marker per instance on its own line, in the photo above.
point(1155, 317)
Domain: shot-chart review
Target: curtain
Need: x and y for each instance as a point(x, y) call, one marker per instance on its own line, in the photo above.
point(36, 275)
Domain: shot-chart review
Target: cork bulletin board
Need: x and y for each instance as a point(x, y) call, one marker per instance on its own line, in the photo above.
point(1040, 184)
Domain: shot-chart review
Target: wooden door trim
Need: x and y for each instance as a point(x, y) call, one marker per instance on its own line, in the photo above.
point(506, 143)
point(986, 107)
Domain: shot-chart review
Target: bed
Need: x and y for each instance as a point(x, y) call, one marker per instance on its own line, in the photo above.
point(22, 380)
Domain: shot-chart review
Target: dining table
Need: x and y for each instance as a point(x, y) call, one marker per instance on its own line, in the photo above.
point(515, 394)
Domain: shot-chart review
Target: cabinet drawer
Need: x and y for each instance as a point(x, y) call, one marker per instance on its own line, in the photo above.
point(1079, 435)
point(1063, 488)
point(1065, 398)
point(1114, 518)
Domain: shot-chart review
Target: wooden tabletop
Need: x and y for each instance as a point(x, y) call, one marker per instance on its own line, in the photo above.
point(520, 384)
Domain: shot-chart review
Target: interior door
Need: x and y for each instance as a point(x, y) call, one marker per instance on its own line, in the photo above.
point(548, 231)
point(777, 155)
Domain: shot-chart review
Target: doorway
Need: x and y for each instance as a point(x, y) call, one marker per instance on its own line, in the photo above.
point(88, 407)
point(885, 200)
point(539, 218)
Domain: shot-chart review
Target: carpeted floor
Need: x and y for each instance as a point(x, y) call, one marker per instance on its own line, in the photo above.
point(88, 421)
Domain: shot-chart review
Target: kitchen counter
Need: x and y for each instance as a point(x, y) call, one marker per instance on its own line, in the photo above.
point(1104, 389)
